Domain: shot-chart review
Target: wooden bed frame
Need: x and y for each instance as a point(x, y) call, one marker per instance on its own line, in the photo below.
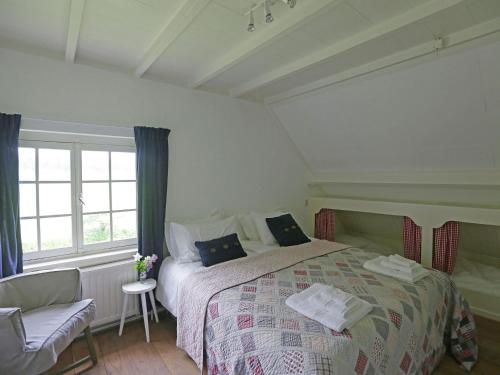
point(428, 216)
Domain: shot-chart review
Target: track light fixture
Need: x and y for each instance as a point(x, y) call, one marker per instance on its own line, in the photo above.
point(251, 23)
point(267, 9)
point(266, 5)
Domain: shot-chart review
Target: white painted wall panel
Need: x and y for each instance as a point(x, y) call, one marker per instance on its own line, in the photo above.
point(225, 153)
point(441, 113)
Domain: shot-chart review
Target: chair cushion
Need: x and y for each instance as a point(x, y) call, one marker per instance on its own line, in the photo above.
point(50, 330)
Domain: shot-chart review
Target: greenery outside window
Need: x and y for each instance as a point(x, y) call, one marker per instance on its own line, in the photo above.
point(76, 198)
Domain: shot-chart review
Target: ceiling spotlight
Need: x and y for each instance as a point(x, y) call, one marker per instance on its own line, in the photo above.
point(251, 23)
point(269, 16)
point(291, 3)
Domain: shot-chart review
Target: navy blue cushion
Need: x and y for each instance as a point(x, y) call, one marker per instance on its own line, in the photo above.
point(286, 230)
point(220, 250)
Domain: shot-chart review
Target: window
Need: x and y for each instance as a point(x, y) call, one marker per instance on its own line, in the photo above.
point(108, 197)
point(76, 197)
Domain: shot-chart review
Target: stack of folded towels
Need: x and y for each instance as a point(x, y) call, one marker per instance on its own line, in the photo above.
point(398, 267)
point(329, 306)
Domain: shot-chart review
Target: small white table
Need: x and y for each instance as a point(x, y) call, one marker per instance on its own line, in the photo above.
point(139, 287)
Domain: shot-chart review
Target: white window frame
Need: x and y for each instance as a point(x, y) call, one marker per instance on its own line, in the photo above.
point(54, 252)
point(75, 143)
point(120, 244)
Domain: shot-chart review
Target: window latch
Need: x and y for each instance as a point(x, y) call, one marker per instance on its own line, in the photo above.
point(80, 198)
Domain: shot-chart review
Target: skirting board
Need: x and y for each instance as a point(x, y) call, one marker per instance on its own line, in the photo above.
point(493, 315)
point(482, 304)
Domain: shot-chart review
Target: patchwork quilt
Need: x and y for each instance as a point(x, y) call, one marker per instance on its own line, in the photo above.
point(250, 330)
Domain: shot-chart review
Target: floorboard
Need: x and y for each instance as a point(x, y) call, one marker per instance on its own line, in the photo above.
point(130, 354)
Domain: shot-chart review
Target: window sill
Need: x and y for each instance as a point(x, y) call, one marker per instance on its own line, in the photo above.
point(82, 261)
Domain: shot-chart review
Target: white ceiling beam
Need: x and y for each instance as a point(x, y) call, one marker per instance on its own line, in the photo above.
point(173, 28)
point(379, 30)
point(454, 39)
point(75, 21)
point(292, 20)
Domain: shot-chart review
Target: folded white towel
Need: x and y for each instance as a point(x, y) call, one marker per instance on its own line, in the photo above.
point(326, 295)
point(404, 262)
point(342, 309)
point(342, 304)
point(329, 306)
point(375, 265)
point(412, 271)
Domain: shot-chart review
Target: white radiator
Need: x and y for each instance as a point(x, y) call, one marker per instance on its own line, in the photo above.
point(103, 283)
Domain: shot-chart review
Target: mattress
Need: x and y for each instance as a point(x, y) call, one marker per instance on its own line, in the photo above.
point(173, 273)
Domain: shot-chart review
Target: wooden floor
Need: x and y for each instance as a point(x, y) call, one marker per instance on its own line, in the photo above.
point(130, 354)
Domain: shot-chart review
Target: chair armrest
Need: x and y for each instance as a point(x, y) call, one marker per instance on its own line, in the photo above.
point(37, 289)
point(12, 333)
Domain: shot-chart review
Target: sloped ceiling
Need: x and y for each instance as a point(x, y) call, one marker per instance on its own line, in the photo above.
point(440, 113)
point(205, 45)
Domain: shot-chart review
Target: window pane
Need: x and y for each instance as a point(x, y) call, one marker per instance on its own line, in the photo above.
point(123, 165)
point(124, 225)
point(27, 199)
point(26, 164)
point(95, 165)
point(54, 165)
point(55, 199)
point(56, 232)
point(96, 228)
point(123, 195)
point(95, 196)
point(29, 235)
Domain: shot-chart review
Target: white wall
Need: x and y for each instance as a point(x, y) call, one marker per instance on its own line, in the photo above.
point(438, 113)
point(435, 114)
point(224, 153)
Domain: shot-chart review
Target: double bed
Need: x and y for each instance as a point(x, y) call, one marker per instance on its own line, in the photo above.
point(232, 317)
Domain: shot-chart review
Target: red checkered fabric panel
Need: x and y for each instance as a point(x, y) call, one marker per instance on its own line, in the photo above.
point(324, 224)
point(444, 254)
point(412, 239)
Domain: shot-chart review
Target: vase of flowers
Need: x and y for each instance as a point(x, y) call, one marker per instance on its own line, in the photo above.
point(144, 264)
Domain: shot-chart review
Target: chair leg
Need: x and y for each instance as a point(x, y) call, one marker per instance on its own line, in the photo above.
point(92, 354)
point(90, 344)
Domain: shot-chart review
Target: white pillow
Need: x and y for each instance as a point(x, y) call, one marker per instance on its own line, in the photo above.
point(248, 226)
point(265, 234)
point(186, 235)
point(170, 236)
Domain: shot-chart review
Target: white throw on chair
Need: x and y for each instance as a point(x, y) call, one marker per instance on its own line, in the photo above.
point(139, 287)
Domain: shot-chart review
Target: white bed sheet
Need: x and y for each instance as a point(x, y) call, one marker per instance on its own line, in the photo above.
point(172, 274)
point(169, 278)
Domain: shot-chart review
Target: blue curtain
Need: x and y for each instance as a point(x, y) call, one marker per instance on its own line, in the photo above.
point(11, 250)
point(152, 177)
